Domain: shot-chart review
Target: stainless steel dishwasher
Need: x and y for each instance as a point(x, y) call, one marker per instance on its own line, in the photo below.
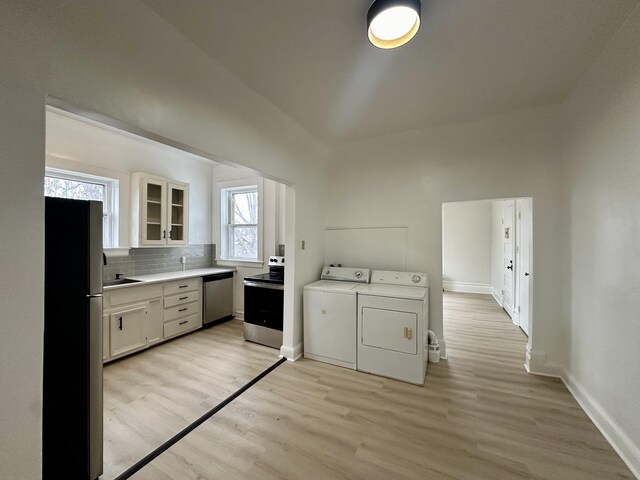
point(218, 297)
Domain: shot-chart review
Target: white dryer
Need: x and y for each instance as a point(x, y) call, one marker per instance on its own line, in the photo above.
point(393, 320)
point(330, 315)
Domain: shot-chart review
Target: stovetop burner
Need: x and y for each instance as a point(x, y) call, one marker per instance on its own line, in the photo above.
point(275, 274)
point(271, 277)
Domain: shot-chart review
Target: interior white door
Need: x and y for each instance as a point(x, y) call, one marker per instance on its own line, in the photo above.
point(508, 246)
point(516, 263)
point(524, 269)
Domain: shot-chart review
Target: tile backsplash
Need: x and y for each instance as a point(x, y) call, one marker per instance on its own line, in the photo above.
point(144, 261)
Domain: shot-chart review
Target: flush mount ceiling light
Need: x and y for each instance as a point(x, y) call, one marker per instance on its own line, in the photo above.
point(392, 23)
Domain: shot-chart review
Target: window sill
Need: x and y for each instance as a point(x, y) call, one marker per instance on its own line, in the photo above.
point(116, 252)
point(239, 263)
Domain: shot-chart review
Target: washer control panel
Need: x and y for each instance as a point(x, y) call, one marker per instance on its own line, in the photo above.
point(346, 274)
point(407, 279)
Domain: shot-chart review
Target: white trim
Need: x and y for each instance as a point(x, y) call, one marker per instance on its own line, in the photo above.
point(239, 263)
point(116, 252)
point(239, 315)
point(291, 354)
point(536, 364)
point(443, 349)
point(508, 309)
point(497, 296)
point(111, 204)
point(466, 287)
point(221, 207)
point(623, 445)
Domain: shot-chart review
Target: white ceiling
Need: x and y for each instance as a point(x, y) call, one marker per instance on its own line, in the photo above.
point(471, 58)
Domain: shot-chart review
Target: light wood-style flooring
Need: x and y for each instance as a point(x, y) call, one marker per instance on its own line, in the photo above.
point(479, 416)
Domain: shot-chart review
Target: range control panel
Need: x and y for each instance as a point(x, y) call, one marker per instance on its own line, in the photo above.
point(407, 279)
point(275, 261)
point(346, 274)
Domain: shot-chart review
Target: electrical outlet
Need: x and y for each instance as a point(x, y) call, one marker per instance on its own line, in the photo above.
point(303, 244)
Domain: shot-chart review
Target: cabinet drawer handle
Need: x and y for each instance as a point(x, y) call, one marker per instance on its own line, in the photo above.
point(183, 286)
point(408, 333)
point(184, 298)
point(184, 309)
point(120, 323)
point(182, 323)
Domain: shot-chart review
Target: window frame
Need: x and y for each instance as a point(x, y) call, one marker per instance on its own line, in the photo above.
point(225, 228)
point(110, 204)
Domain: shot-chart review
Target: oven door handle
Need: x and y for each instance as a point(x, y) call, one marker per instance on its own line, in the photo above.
point(272, 286)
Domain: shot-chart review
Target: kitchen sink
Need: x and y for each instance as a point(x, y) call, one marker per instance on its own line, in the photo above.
point(119, 281)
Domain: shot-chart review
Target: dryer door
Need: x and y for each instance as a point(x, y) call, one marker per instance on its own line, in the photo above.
point(390, 330)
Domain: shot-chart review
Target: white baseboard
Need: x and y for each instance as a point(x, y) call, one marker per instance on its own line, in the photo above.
point(465, 287)
point(536, 364)
point(497, 296)
point(621, 443)
point(443, 349)
point(291, 354)
point(239, 315)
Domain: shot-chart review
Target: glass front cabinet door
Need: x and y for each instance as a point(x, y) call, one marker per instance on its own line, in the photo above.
point(178, 220)
point(160, 211)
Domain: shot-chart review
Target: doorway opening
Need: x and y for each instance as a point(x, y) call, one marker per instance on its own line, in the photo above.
point(487, 250)
point(163, 212)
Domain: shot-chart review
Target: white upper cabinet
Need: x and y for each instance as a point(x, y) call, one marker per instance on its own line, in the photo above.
point(177, 213)
point(160, 211)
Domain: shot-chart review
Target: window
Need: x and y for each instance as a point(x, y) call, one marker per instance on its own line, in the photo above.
point(240, 223)
point(81, 186)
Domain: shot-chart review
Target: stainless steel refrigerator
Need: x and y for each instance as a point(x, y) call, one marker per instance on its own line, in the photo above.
point(72, 387)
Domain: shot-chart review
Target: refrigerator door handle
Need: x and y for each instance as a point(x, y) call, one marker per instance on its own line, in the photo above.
point(95, 248)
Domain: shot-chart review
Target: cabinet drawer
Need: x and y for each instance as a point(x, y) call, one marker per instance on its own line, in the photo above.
point(186, 285)
point(186, 297)
point(181, 325)
point(180, 311)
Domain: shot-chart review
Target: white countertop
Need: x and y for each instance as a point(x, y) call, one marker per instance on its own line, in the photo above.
point(168, 276)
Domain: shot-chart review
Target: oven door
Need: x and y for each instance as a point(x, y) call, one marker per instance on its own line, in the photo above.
point(264, 304)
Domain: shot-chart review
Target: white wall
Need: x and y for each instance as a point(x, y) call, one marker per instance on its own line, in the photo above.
point(602, 256)
point(76, 145)
point(120, 59)
point(466, 246)
point(373, 248)
point(402, 181)
point(497, 258)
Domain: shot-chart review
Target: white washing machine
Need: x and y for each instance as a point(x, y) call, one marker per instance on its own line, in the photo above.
point(393, 321)
point(330, 315)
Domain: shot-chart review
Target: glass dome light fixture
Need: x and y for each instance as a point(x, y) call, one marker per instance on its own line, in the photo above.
point(392, 23)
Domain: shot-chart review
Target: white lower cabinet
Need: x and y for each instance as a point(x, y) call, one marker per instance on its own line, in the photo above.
point(182, 307)
point(127, 330)
point(139, 316)
point(153, 324)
